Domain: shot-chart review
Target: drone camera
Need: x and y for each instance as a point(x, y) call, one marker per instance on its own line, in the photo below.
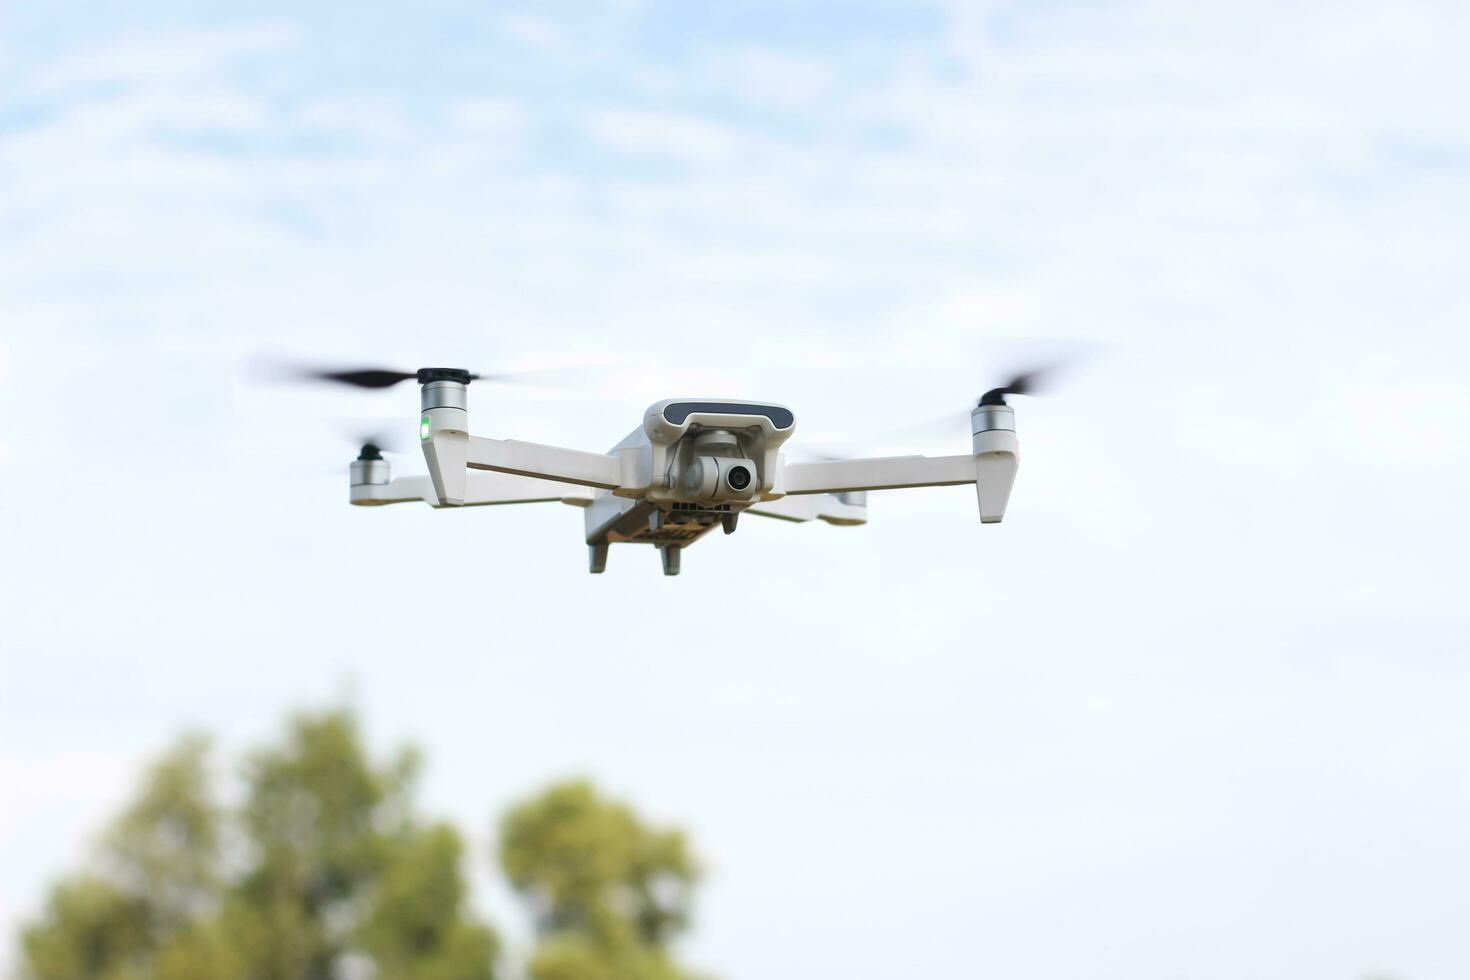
point(737, 477)
point(717, 479)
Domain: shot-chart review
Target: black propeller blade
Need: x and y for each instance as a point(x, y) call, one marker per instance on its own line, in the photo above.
point(374, 438)
point(1031, 382)
point(366, 378)
point(386, 377)
point(377, 378)
point(1025, 383)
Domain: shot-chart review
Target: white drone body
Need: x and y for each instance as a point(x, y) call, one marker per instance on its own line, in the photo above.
point(693, 465)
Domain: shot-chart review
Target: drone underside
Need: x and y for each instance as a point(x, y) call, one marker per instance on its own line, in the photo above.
point(691, 466)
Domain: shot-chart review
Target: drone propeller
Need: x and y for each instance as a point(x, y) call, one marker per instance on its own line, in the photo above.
point(373, 432)
point(376, 378)
point(1035, 381)
point(373, 443)
point(1031, 382)
point(370, 445)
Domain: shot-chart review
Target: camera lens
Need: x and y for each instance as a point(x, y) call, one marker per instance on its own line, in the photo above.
point(738, 478)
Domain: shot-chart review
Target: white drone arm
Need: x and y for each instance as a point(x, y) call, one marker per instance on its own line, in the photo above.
point(846, 510)
point(884, 473)
point(450, 451)
point(991, 466)
point(529, 459)
point(450, 454)
point(480, 489)
point(399, 490)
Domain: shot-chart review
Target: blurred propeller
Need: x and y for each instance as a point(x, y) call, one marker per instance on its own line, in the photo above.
point(1035, 381)
point(1031, 382)
point(370, 442)
point(363, 377)
point(374, 443)
point(377, 378)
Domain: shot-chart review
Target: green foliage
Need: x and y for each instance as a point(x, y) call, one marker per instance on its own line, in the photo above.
point(204, 951)
point(335, 865)
point(569, 957)
point(90, 929)
point(414, 931)
point(158, 865)
point(318, 815)
point(326, 864)
point(328, 830)
point(165, 846)
point(607, 891)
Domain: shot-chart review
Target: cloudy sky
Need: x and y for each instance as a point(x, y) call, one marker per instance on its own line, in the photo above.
point(1196, 710)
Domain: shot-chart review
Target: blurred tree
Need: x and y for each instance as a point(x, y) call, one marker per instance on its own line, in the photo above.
point(608, 893)
point(328, 831)
point(90, 928)
point(415, 930)
point(334, 871)
point(165, 846)
point(326, 871)
point(158, 871)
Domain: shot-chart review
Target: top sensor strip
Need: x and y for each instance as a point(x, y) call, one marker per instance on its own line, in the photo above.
point(678, 413)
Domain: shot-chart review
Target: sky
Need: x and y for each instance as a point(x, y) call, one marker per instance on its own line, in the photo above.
point(1195, 710)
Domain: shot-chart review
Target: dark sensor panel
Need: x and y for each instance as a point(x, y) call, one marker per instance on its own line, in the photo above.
point(679, 412)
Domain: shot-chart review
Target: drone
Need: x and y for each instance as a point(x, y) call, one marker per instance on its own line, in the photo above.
point(693, 464)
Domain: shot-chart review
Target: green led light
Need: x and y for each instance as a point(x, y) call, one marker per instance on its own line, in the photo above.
point(424, 429)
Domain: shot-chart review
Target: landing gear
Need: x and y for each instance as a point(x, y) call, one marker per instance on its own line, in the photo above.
point(597, 558)
point(670, 554)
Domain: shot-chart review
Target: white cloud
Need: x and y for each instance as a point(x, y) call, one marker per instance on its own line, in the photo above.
point(665, 134)
point(491, 115)
point(169, 57)
point(535, 32)
point(770, 79)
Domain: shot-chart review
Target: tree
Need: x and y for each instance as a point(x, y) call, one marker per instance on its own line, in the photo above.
point(608, 893)
point(327, 830)
point(156, 873)
point(334, 867)
point(326, 870)
point(165, 847)
point(90, 928)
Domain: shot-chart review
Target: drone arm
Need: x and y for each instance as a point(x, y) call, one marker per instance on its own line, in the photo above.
point(845, 509)
point(545, 463)
point(991, 468)
point(997, 457)
point(449, 451)
point(500, 488)
point(887, 473)
point(400, 490)
point(480, 489)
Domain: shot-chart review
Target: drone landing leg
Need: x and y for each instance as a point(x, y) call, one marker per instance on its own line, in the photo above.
point(670, 554)
point(597, 558)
